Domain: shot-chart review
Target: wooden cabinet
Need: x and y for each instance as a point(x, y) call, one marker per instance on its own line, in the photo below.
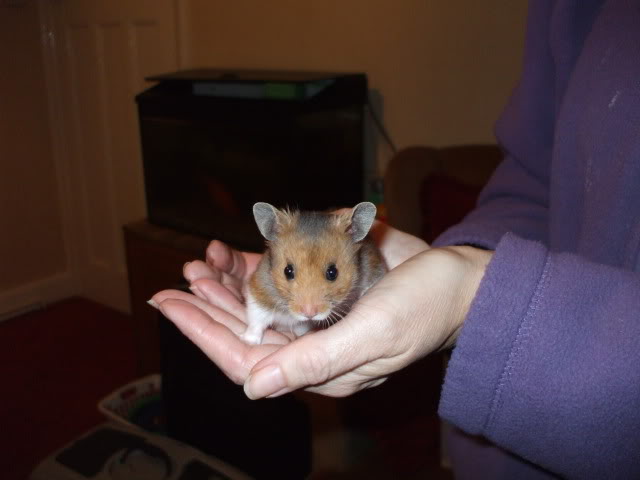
point(155, 257)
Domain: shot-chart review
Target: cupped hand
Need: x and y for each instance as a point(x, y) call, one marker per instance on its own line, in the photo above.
point(215, 316)
point(416, 308)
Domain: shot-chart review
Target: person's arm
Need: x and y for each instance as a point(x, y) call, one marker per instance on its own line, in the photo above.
point(546, 365)
point(548, 362)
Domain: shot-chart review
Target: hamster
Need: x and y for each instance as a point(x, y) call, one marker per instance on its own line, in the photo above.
point(315, 267)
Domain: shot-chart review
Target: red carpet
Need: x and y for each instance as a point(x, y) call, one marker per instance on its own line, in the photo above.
point(55, 364)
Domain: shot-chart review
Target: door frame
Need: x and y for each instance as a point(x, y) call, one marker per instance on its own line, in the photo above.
point(75, 240)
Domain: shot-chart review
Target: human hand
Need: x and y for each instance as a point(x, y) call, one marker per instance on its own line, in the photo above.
point(415, 309)
point(217, 316)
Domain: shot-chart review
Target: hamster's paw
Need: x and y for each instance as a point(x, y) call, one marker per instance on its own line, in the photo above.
point(301, 328)
point(252, 337)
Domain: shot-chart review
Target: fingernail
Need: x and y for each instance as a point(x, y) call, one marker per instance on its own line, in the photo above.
point(153, 303)
point(268, 381)
point(185, 265)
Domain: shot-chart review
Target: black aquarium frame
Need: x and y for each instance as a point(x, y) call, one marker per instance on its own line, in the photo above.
point(216, 141)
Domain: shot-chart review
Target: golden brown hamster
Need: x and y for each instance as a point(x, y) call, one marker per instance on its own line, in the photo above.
point(316, 266)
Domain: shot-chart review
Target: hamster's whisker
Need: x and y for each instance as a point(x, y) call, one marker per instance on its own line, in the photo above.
point(334, 317)
point(342, 311)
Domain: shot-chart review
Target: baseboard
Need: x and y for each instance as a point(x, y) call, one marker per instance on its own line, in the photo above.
point(36, 294)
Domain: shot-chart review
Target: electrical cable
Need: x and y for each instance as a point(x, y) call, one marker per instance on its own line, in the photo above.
point(380, 126)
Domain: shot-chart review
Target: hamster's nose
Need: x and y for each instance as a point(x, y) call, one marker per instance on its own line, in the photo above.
point(310, 310)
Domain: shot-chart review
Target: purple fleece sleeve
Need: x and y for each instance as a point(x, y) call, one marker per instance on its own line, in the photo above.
point(548, 362)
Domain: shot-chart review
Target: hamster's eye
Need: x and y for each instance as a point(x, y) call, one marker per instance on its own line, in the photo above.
point(288, 272)
point(331, 273)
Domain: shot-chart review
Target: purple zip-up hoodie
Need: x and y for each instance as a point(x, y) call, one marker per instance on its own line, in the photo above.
point(547, 365)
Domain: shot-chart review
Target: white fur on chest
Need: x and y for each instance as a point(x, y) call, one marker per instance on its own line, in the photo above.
point(260, 318)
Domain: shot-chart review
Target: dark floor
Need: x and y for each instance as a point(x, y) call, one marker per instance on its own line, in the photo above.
point(55, 365)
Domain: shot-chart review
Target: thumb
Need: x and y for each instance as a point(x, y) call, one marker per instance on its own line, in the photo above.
point(310, 360)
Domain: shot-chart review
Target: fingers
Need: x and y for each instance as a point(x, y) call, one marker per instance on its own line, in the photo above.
point(224, 265)
point(346, 385)
point(396, 246)
point(237, 264)
point(198, 285)
point(222, 311)
point(220, 295)
point(227, 318)
point(199, 270)
point(219, 343)
point(221, 255)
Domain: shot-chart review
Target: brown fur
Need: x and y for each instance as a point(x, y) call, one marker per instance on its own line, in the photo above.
point(310, 244)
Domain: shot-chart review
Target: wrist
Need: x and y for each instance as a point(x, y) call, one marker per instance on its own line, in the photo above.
point(473, 262)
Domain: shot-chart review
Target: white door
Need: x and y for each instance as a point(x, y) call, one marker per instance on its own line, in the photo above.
point(99, 53)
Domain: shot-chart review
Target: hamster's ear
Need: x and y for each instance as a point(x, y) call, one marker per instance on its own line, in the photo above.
point(266, 216)
point(362, 218)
